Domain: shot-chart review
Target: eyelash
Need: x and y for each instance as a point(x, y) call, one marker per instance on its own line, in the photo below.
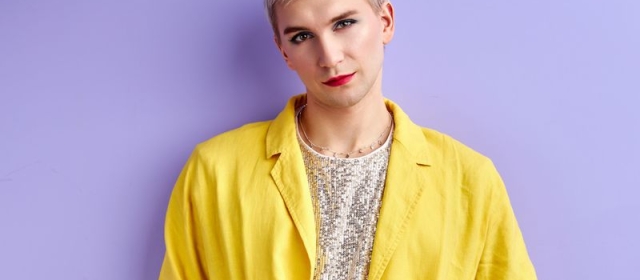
point(344, 23)
point(298, 38)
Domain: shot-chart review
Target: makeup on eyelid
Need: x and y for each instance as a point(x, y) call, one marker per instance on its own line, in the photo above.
point(341, 24)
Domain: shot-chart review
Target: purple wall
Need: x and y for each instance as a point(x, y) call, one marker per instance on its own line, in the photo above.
point(102, 101)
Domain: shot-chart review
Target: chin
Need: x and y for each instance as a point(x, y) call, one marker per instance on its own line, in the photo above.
point(338, 97)
point(344, 99)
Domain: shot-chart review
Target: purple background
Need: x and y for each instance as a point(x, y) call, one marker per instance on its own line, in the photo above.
point(102, 101)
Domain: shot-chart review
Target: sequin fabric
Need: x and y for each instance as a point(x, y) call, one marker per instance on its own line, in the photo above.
point(346, 195)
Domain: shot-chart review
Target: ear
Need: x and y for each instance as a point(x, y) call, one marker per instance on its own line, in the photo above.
point(282, 52)
point(388, 22)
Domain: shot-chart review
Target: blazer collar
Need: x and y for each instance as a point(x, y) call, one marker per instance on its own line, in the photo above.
point(403, 187)
point(408, 135)
point(282, 136)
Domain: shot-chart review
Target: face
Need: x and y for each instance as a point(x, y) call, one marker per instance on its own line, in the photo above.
point(336, 47)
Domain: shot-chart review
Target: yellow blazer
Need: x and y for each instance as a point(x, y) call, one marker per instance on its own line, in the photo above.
point(241, 209)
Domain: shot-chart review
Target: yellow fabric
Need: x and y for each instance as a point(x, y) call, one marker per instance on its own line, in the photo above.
point(241, 209)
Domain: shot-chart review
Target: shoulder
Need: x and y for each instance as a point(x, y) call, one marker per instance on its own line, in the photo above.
point(431, 147)
point(448, 150)
point(473, 170)
point(244, 140)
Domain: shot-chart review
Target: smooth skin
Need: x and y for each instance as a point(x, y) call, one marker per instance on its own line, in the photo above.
point(321, 39)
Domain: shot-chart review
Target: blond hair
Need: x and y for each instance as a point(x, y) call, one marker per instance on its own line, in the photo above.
point(270, 8)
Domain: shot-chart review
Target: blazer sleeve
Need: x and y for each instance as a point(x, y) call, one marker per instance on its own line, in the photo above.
point(504, 255)
point(184, 257)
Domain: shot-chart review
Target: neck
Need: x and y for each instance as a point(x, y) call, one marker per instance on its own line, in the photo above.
point(346, 129)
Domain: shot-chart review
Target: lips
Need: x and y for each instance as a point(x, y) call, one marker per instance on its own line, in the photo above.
point(339, 80)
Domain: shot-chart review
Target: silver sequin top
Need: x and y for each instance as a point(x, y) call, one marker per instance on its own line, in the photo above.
point(346, 195)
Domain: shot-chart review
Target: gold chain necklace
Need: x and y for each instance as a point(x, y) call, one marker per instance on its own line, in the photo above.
point(375, 144)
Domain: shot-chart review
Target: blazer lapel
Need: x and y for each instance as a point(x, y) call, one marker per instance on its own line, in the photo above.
point(291, 181)
point(290, 177)
point(405, 183)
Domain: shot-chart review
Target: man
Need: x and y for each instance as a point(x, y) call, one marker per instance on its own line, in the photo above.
point(341, 185)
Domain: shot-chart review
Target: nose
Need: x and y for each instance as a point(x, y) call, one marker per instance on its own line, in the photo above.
point(331, 53)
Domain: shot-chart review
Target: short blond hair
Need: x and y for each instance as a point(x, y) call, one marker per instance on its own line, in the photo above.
point(270, 8)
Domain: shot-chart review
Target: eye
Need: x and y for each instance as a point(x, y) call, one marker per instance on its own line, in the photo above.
point(301, 37)
point(344, 23)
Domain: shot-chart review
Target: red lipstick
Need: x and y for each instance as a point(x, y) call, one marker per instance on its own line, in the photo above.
point(339, 80)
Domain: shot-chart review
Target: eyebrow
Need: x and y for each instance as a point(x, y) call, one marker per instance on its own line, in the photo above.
point(292, 29)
